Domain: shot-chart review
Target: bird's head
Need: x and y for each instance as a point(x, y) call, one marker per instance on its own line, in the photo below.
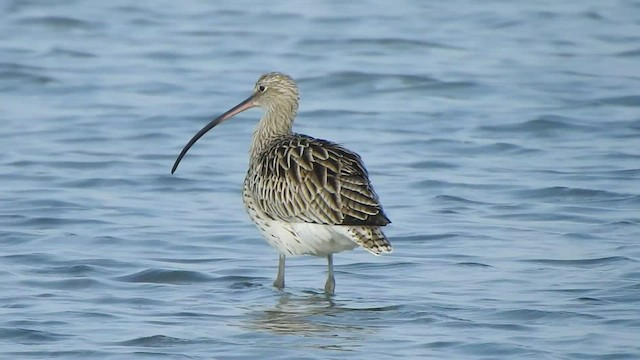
point(275, 89)
point(275, 92)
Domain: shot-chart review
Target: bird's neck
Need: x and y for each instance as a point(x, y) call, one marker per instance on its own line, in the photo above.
point(276, 123)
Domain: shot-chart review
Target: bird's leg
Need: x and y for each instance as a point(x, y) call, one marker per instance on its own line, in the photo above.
point(279, 282)
point(330, 285)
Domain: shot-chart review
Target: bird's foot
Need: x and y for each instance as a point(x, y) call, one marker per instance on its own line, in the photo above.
point(330, 286)
point(279, 283)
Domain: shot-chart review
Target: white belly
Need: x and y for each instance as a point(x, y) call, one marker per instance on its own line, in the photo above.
point(299, 238)
point(302, 238)
point(305, 238)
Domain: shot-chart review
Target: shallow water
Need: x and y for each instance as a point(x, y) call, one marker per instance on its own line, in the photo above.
point(502, 138)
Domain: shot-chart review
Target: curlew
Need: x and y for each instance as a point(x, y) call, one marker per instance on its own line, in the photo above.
point(307, 196)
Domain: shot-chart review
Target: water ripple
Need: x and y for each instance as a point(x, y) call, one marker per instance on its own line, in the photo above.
point(502, 141)
point(155, 341)
point(547, 125)
point(30, 336)
point(556, 193)
point(60, 23)
point(162, 276)
point(587, 263)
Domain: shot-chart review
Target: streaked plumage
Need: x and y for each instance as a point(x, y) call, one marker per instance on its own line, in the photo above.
point(302, 179)
point(306, 196)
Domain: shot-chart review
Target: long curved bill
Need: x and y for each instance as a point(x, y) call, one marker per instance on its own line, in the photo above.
point(247, 104)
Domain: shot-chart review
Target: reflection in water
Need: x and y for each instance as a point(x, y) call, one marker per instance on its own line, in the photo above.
point(317, 316)
point(304, 315)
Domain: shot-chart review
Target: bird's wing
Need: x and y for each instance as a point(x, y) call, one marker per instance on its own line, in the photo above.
point(302, 179)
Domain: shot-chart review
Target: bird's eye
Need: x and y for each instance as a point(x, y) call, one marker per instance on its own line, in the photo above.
point(262, 88)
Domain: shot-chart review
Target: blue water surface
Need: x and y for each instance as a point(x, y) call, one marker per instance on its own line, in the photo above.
point(502, 137)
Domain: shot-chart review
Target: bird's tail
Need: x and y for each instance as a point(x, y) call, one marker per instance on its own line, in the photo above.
point(371, 239)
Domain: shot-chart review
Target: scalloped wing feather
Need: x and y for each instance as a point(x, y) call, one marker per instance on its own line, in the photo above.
point(302, 179)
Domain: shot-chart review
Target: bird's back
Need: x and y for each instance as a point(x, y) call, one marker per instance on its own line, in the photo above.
point(301, 179)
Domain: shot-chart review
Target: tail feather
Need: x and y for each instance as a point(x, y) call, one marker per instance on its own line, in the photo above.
point(371, 239)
